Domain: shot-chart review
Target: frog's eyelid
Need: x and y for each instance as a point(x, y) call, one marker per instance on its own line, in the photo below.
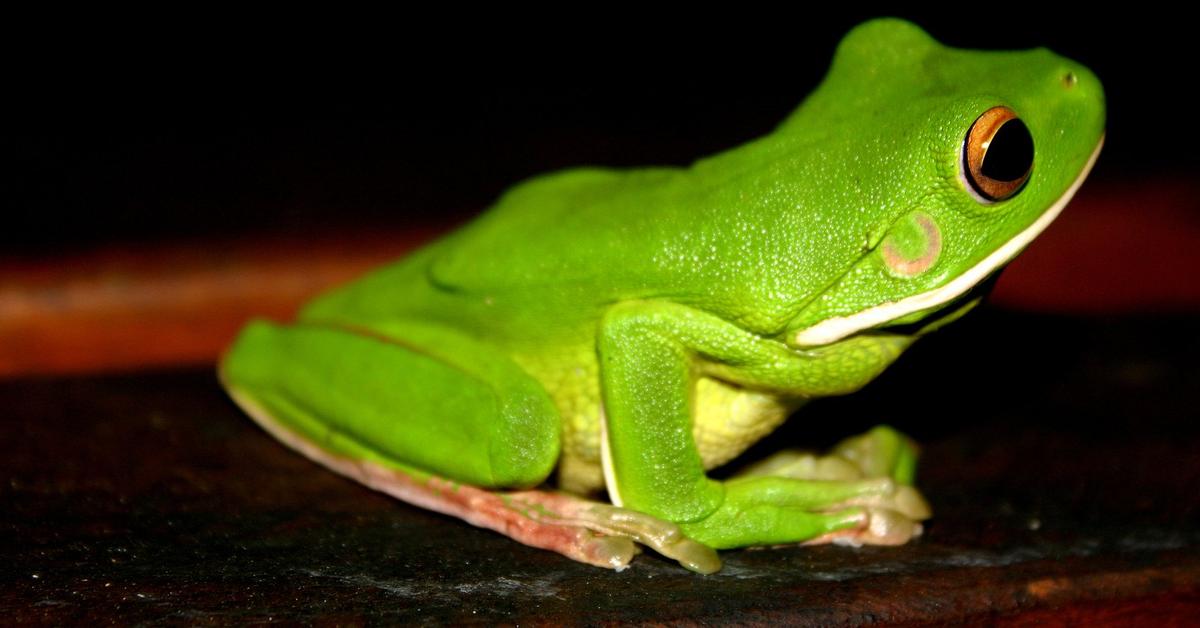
point(834, 329)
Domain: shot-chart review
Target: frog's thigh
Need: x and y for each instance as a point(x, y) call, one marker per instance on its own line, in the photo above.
point(435, 403)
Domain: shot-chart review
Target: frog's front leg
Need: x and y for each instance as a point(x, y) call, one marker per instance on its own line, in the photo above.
point(434, 418)
point(651, 354)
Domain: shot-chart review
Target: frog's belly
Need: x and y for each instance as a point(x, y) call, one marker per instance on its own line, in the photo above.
point(728, 419)
point(572, 377)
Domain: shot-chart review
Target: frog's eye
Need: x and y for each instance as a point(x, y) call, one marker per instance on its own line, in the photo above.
point(997, 154)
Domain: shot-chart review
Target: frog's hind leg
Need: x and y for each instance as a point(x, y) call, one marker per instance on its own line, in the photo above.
point(589, 532)
point(429, 417)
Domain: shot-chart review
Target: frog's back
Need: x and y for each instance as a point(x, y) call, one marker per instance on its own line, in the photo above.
point(544, 252)
point(560, 229)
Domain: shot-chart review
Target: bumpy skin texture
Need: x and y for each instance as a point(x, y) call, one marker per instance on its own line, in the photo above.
point(635, 328)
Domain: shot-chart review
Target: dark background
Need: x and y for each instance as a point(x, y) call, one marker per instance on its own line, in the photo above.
point(212, 125)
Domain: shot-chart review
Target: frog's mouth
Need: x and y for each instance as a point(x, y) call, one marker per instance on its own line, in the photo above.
point(920, 323)
point(836, 328)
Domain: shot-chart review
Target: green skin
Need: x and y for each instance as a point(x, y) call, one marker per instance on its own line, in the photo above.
point(590, 302)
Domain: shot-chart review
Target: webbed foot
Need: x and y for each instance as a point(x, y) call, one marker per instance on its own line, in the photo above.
point(891, 510)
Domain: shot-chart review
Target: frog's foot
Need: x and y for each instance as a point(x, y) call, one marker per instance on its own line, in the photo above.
point(881, 452)
point(587, 531)
point(891, 515)
point(771, 510)
point(880, 526)
point(881, 463)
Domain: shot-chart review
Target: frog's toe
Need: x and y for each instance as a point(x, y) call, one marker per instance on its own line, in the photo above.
point(889, 495)
point(881, 526)
point(662, 536)
point(911, 503)
point(802, 465)
point(881, 452)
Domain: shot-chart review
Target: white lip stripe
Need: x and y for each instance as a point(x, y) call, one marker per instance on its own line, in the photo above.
point(834, 329)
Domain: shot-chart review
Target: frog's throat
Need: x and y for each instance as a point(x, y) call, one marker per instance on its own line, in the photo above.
point(837, 328)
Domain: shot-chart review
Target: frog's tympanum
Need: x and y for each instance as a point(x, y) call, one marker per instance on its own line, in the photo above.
point(622, 332)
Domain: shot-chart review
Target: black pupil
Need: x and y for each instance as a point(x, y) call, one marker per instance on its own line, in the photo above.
point(1010, 153)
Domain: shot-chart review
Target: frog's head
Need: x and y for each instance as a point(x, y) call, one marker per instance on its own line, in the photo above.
point(961, 158)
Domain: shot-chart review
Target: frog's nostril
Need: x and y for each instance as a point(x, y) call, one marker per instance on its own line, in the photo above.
point(1069, 80)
